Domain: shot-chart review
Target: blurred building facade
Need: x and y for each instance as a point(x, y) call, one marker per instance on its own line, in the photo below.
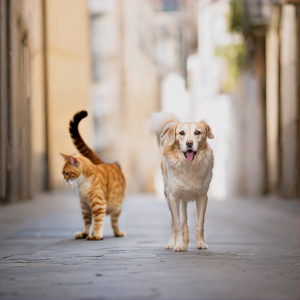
point(124, 88)
point(269, 87)
point(283, 104)
point(45, 78)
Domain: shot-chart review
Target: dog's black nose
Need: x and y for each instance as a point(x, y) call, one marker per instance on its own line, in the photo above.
point(189, 143)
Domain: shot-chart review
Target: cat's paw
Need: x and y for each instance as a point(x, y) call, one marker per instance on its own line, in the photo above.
point(120, 234)
point(94, 237)
point(201, 245)
point(80, 235)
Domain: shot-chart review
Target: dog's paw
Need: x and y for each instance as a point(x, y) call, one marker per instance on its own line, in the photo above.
point(120, 234)
point(179, 248)
point(201, 245)
point(94, 237)
point(80, 235)
point(186, 243)
point(169, 246)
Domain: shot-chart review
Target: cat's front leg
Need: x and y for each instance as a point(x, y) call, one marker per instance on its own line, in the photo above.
point(87, 218)
point(98, 209)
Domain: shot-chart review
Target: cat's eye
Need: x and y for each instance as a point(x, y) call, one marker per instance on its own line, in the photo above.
point(181, 132)
point(67, 173)
point(197, 132)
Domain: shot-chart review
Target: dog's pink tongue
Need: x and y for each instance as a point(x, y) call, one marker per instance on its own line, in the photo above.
point(190, 155)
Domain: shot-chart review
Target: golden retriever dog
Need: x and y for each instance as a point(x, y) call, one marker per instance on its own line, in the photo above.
point(187, 162)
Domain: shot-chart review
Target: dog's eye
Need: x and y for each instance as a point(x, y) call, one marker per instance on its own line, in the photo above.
point(181, 132)
point(197, 132)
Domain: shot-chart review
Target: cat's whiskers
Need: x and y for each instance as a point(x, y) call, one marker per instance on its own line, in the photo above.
point(74, 185)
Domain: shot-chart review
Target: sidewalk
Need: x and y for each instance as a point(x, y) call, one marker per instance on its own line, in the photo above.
point(253, 252)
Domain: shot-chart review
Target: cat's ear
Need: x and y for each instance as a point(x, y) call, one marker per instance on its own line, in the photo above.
point(64, 156)
point(74, 161)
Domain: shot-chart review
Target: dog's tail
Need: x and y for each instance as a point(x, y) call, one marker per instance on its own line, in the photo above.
point(79, 142)
point(162, 121)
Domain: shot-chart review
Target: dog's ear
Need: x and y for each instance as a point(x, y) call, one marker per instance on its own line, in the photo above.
point(207, 129)
point(170, 135)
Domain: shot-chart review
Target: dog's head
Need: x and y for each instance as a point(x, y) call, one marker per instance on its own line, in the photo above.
point(190, 137)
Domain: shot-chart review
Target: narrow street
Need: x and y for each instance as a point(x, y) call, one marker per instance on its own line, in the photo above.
point(253, 252)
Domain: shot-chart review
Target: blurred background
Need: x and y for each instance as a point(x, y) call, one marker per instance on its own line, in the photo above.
point(234, 64)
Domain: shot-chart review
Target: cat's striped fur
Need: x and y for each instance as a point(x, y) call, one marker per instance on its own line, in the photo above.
point(101, 186)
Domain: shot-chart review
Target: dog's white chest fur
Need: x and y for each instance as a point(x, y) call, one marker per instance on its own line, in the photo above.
point(189, 180)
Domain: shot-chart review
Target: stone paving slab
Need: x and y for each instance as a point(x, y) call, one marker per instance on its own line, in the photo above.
point(253, 252)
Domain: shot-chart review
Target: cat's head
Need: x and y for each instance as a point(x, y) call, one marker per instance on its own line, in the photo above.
point(71, 169)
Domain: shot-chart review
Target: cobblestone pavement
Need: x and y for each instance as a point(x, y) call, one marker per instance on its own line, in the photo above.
point(253, 252)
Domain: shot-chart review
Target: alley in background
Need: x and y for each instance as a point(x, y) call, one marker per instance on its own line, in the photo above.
point(234, 64)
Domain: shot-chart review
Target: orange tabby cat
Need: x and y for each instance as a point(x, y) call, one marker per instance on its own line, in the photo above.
point(101, 187)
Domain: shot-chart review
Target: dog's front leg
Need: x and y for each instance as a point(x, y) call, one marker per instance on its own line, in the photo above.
point(185, 225)
point(172, 235)
point(174, 204)
point(201, 204)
